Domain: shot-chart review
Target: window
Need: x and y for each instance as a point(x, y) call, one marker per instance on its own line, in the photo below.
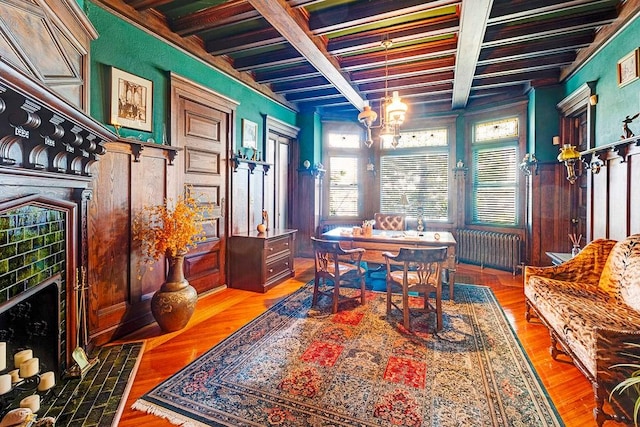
point(343, 172)
point(343, 186)
point(495, 166)
point(418, 168)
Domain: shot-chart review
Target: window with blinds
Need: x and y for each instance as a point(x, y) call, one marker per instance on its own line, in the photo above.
point(495, 166)
point(422, 177)
point(343, 186)
point(418, 168)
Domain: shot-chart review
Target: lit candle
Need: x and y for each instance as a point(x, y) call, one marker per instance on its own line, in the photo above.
point(21, 356)
point(30, 367)
point(5, 383)
point(47, 381)
point(15, 375)
point(3, 356)
point(32, 402)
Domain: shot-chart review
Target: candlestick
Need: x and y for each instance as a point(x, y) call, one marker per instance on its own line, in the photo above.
point(47, 381)
point(3, 356)
point(30, 367)
point(5, 383)
point(32, 402)
point(21, 356)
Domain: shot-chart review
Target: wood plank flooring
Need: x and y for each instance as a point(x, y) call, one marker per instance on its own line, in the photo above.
point(220, 314)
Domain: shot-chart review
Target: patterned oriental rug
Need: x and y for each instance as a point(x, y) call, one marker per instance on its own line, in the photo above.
point(297, 366)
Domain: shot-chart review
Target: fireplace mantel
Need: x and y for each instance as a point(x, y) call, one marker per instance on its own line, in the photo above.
point(41, 131)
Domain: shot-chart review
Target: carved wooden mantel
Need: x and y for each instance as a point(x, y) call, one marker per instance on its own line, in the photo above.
point(40, 131)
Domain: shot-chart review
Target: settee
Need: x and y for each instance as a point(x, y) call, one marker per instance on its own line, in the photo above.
point(591, 306)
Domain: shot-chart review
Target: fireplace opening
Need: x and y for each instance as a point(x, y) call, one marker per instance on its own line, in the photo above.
point(31, 320)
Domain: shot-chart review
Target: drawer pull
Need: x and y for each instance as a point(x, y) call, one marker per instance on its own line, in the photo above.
point(271, 249)
point(287, 264)
point(286, 244)
point(271, 270)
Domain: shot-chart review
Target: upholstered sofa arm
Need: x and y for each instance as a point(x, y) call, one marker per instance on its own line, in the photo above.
point(586, 267)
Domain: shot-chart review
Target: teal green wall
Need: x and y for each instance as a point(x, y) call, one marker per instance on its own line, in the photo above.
point(543, 122)
point(310, 137)
point(614, 103)
point(130, 49)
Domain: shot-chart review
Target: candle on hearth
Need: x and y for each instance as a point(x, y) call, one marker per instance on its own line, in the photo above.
point(5, 383)
point(30, 367)
point(47, 381)
point(3, 356)
point(21, 356)
point(32, 402)
point(15, 375)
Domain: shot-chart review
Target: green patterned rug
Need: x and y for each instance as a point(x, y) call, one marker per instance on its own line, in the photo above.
point(296, 366)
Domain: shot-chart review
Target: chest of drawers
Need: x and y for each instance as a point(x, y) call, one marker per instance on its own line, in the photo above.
point(259, 261)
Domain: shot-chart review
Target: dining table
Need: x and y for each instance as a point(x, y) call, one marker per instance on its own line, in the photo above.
point(379, 241)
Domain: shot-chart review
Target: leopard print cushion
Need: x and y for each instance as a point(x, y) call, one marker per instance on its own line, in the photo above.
point(586, 267)
point(621, 275)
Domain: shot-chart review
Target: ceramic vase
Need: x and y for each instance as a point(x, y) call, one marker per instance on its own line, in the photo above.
point(174, 303)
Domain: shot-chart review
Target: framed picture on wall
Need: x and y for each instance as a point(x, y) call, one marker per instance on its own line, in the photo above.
point(249, 134)
point(131, 100)
point(628, 68)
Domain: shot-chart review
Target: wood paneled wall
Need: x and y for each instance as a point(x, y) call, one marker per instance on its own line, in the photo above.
point(614, 195)
point(128, 177)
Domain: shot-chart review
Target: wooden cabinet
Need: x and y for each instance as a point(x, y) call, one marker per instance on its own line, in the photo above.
point(259, 261)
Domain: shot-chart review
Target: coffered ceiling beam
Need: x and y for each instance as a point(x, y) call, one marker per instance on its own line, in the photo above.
point(473, 24)
point(295, 29)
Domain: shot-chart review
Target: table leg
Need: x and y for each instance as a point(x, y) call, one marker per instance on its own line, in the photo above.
point(451, 279)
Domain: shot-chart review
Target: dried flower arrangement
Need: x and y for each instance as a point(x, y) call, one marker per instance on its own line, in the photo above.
point(164, 230)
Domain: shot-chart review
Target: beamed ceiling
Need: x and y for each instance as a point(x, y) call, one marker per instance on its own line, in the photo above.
point(327, 55)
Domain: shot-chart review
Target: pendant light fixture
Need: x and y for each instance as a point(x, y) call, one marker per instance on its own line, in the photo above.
point(392, 110)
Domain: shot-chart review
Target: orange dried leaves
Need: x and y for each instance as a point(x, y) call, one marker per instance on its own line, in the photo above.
point(162, 230)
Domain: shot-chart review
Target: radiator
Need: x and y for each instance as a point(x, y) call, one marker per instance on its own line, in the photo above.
point(489, 249)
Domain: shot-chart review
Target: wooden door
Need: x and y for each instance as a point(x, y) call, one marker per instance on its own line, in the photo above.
point(201, 127)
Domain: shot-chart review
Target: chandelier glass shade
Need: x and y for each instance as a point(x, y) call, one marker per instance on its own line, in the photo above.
point(396, 110)
point(392, 112)
point(367, 117)
point(569, 156)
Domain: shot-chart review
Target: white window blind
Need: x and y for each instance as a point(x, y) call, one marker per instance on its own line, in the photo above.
point(423, 177)
point(495, 184)
point(343, 186)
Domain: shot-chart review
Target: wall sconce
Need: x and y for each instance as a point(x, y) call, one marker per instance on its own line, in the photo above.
point(529, 164)
point(569, 156)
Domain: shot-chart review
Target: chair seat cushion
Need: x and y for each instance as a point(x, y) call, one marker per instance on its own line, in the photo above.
point(412, 278)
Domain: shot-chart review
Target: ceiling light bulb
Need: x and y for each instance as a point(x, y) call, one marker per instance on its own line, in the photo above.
point(396, 110)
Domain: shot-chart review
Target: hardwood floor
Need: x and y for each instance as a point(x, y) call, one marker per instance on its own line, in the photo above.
point(220, 314)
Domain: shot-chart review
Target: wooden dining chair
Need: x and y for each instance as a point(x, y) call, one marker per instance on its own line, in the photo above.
point(420, 272)
point(335, 267)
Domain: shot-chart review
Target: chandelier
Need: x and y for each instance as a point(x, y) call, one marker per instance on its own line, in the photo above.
point(392, 110)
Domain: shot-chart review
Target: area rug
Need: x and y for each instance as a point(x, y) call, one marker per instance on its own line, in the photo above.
point(301, 366)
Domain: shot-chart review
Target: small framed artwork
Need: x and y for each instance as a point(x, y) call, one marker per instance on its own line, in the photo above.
point(628, 68)
point(131, 100)
point(249, 134)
